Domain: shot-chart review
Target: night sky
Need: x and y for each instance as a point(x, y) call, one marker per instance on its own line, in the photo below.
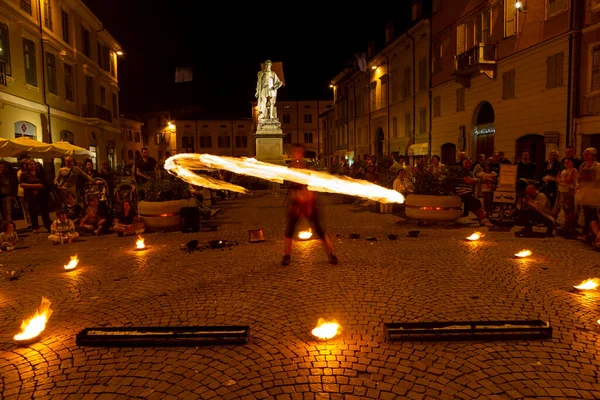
point(225, 48)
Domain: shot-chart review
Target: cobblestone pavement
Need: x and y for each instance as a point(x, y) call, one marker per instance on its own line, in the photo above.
point(436, 277)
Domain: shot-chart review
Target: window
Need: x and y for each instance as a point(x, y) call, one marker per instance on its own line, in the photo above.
point(436, 5)
point(223, 126)
point(554, 7)
point(286, 118)
point(595, 81)
point(306, 106)
point(394, 87)
point(144, 139)
point(395, 127)
point(486, 21)
point(51, 69)
point(384, 91)
point(187, 141)
point(422, 120)
point(48, 14)
point(287, 139)
point(65, 26)
point(85, 42)
point(508, 85)
point(224, 142)
point(205, 126)
point(99, 54)
point(460, 99)
point(437, 106)
point(129, 135)
point(111, 65)
point(241, 141)
point(115, 105)
point(30, 64)
point(67, 136)
point(308, 118)
point(241, 126)
point(461, 39)
point(26, 6)
point(510, 18)
point(130, 154)
point(159, 138)
point(105, 58)
point(308, 137)
point(5, 49)
point(69, 83)
point(554, 70)
point(407, 124)
point(205, 141)
point(374, 95)
point(351, 110)
point(138, 137)
point(102, 96)
point(437, 56)
point(423, 74)
point(406, 84)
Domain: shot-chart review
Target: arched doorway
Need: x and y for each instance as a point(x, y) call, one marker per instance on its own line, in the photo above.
point(379, 139)
point(537, 149)
point(448, 153)
point(484, 129)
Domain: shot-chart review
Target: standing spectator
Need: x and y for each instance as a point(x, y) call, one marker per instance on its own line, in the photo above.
point(565, 200)
point(88, 166)
point(68, 176)
point(570, 154)
point(488, 178)
point(549, 175)
point(502, 159)
point(588, 187)
point(145, 168)
point(494, 163)
point(526, 169)
point(464, 189)
point(36, 196)
point(109, 176)
point(8, 189)
point(21, 192)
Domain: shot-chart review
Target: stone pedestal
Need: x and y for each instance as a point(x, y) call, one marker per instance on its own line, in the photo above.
point(269, 141)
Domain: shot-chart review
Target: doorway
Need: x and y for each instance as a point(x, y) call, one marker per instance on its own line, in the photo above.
point(448, 154)
point(484, 129)
point(379, 138)
point(590, 141)
point(537, 149)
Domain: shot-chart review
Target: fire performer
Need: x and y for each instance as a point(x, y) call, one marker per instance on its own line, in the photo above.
point(303, 203)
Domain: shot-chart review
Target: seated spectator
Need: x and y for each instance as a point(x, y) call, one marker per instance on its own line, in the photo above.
point(62, 229)
point(74, 211)
point(595, 228)
point(91, 223)
point(126, 222)
point(535, 208)
point(402, 183)
point(9, 236)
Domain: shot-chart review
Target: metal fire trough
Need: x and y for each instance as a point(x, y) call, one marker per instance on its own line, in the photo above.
point(163, 336)
point(468, 330)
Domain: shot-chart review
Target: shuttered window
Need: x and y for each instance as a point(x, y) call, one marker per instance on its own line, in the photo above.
point(554, 70)
point(595, 69)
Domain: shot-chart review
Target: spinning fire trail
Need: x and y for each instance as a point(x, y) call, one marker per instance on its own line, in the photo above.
point(182, 165)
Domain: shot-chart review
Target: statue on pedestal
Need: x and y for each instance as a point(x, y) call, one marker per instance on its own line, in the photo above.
point(266, 92)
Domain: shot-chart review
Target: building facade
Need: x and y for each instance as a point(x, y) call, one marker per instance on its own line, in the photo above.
point(300, 124)
point(502, 76)
point(587, 102)
point(58, 76)
point(132, 140)
point(222, 137)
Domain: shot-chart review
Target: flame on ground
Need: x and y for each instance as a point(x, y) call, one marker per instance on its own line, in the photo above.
point(182, 164)
point(523, 253)
point(73, 263)
point(305, 235)
point(32, 327)
point(588, 284)
point(140, 243)
point(475, 236)
point(326, 330)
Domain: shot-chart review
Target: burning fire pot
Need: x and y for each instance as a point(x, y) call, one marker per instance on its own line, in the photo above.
point(32, 327)
point(189, 336)
point(468, 330)
point(326, 330)
point(140, 244)
point(256, 235)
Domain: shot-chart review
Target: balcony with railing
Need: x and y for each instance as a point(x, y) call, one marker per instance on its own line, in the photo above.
point(2, 73)
point(480, 58)
point(97, 112)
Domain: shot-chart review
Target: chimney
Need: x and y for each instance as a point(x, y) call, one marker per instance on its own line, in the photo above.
point(389, 32)
point(371, 49)
point(417, 9)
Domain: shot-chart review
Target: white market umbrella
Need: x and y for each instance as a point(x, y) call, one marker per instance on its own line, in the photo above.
point(14, 147)
point(67, 149)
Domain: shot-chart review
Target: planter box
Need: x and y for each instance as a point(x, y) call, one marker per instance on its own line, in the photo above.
point(163, 214)
point(386, 208)
point(433, 208)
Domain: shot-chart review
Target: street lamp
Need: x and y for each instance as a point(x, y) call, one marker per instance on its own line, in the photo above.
point(171, 126)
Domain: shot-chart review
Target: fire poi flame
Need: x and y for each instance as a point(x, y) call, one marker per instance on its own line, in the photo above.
point(326, 330)
point(32, 327)
point(588, 284)
point(73, 263)
point(523, 253)
point(182, 164)
point(475, 236)
point(305, 235)
point(140, 243)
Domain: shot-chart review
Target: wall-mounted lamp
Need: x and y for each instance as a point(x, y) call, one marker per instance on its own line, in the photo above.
point(331, 86)
point(374, 67)
point(520, 6)
point(119, 53)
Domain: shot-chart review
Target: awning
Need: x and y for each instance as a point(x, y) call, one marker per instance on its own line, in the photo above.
point(418, 149)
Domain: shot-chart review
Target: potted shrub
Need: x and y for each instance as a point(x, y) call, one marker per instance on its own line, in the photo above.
point(433, 197)
point(164, 198)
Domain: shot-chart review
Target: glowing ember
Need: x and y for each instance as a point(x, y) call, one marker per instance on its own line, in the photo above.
point(305, 235)
point(588, 284)
point(475, 236)
point(326, 330)
point(140, 243)
point(182, 164)
point(73, 263)
point(32, 327)
point(523, 254)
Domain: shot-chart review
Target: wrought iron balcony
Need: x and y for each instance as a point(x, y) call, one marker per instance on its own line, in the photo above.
point(2, 73)
point(481, 58)
point(96, 111)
